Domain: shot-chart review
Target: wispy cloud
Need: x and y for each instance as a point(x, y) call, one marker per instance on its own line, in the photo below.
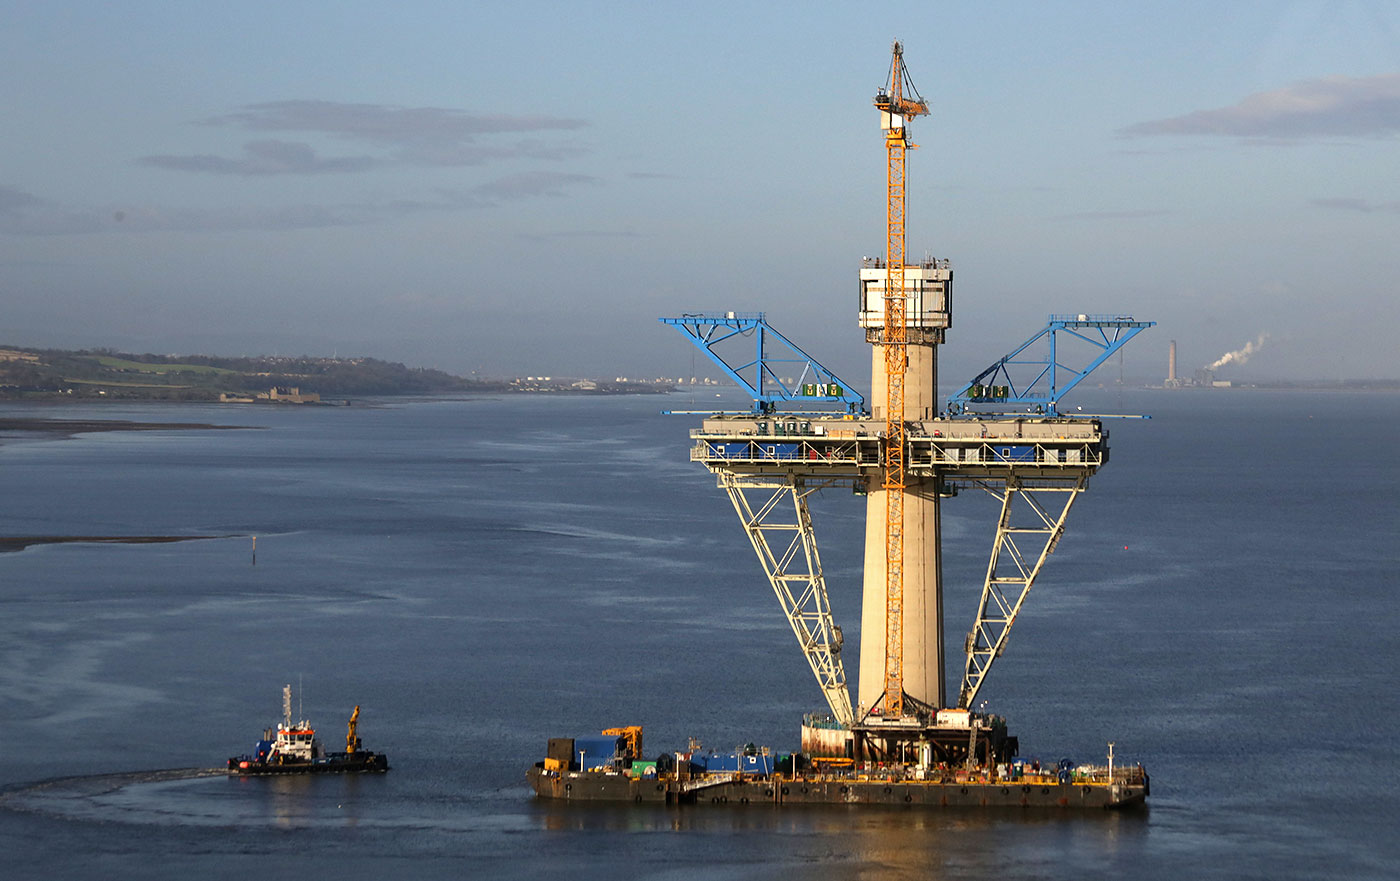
point(384, 137)
point(39, 217)
point(510, 188)
point(1130, 214)
point(423, 136)
point(518, 186)
point(1362, 206)
point(1335, 106)
point(580, 234)
point(383, 123)
point(265, 157)
point(24, 214)
point(13, 201)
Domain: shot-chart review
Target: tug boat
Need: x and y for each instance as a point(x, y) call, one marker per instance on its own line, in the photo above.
point(294, 749)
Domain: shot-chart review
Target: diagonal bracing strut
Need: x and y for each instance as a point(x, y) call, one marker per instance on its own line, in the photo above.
point(1026, 535)
point(782, 538)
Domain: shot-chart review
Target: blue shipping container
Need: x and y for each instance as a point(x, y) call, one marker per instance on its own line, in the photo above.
point(597, 752)
point(1016, 454)
point(758, 764)
point(733, 450)
point(748, 764)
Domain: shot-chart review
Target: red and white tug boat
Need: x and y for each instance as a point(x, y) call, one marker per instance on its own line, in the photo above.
point(294, 749)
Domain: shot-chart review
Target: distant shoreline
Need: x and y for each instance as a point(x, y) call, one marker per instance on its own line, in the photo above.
point(105, 374)
point(15, 543)
point(1346, 385)
point(10, 426)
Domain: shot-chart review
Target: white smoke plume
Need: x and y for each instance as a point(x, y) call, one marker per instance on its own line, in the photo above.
point(1239, 356)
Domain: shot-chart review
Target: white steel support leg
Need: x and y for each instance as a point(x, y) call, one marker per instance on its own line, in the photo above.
point(1013, 568)
point(787, 548)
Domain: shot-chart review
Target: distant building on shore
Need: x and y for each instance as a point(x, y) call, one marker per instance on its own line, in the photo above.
point(281, 394)
point(292, 394)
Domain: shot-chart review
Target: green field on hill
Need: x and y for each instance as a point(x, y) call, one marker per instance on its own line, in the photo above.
point(114, 363)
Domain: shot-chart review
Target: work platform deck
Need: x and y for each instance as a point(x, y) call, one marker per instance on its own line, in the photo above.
point(953, 448)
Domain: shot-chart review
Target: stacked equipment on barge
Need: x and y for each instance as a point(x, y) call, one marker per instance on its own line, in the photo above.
point(605, 769)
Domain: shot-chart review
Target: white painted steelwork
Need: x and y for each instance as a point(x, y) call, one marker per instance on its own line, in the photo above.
point(787, 549)
point(1026, 535)
point(769, 467)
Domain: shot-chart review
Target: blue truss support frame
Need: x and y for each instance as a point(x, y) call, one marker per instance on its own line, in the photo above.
point(761, 377)
point(1049, 380)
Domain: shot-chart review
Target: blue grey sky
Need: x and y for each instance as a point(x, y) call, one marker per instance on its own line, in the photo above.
point(524, 187)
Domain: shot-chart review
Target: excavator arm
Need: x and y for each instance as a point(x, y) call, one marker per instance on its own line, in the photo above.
point(352, 743)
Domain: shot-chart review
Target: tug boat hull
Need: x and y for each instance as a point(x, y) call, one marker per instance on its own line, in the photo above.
point(369, 763)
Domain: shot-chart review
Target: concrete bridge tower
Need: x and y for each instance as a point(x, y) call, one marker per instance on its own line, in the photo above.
point(928, 315)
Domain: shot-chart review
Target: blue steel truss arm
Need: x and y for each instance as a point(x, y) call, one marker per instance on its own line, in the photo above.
point(772, 353)
point(1039, 383)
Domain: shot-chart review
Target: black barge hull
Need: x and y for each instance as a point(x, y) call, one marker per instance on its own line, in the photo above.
point(781, 790)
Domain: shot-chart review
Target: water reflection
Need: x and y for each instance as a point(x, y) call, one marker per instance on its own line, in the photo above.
point(296, 800)
point(870, 841)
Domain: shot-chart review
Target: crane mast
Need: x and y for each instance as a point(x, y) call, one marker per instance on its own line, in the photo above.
point(895, 110)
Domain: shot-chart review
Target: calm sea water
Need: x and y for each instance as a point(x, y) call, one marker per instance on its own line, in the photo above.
point(483, 574)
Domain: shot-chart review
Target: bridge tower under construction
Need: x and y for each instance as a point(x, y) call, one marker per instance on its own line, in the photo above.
point(907, 455)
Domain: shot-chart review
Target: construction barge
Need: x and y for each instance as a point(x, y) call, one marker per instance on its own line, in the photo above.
point(608, 768)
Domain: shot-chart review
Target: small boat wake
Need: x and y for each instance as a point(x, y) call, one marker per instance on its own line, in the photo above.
point(95, 796)
point(211, 799)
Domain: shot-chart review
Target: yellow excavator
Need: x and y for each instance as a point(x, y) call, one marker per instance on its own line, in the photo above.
point(633, 736)
point(352, 742)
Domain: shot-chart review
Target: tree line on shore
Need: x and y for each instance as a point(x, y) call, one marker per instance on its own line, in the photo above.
point(105, 373)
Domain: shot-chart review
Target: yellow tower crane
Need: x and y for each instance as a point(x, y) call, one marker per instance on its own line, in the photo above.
point(898, 102)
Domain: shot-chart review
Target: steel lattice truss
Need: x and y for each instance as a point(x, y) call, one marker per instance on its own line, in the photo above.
point(780, 528)
point(1026, 534)
point(773, 355)
point(1021, 380)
